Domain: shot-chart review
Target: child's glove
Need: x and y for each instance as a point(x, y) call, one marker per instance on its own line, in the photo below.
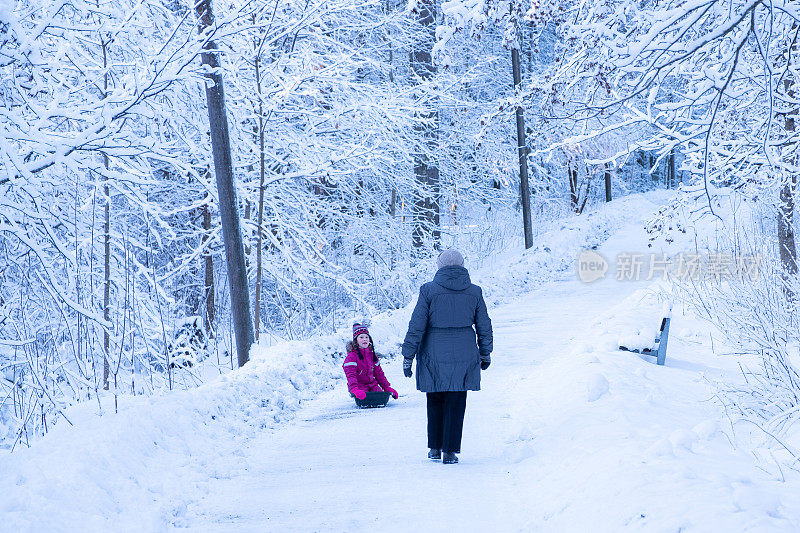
point(360, 394)
point(407, 367)
point(392, 392)
point(486, 360)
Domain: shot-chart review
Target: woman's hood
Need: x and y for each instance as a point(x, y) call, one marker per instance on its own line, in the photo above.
point(455, 278)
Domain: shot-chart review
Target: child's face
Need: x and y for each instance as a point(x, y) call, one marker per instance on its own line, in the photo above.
point(363, 340)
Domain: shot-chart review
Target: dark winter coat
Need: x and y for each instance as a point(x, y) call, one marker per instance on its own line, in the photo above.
point(441, 333)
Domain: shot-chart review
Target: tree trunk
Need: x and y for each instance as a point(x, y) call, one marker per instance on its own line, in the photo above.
point(208, 260)
point(426, 171)
point(391, 49)
point(651, 161)
point(393, 203)
point(585, 193)
point(671, 169)
point(573, 186)
point(106, 244)
point(247, 238)
point(608, 182)
point(454, 208)
point(262, 171)
point(522, 149)
point(228, 206)
point(106, 278)
point(786, 244)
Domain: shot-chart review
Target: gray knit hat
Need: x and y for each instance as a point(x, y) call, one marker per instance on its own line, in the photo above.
point(451, 257)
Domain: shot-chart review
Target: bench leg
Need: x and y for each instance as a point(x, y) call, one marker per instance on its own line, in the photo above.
point(662, 345)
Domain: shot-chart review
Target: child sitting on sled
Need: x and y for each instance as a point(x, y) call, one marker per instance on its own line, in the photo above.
point(361, 366)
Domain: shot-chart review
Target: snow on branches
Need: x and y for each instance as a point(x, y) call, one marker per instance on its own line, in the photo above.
point(475, 17)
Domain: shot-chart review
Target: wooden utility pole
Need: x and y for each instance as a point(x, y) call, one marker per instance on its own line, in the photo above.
point(223, 169)
point(522, 148)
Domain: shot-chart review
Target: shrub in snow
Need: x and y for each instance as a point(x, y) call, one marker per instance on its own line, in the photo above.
point(190, 344)
point(756, 314)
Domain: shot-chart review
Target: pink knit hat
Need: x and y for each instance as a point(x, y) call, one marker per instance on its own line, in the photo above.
point(358, 329)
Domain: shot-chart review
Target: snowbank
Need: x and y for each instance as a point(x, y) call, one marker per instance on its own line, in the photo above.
point(555, 251)
point(633, 323)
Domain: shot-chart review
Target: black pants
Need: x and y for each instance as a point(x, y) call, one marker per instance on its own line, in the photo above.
point(446, 420)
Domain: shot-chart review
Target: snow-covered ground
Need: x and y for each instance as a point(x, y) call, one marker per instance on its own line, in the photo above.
point(568, 433)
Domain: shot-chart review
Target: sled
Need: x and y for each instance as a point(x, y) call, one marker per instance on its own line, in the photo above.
point(373, 399)
point(659, 349)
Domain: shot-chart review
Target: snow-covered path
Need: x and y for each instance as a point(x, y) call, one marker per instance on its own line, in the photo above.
point(557, 440)
point(341, 469)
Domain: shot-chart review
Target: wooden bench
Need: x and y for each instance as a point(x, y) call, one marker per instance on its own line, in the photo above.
point(659, 349)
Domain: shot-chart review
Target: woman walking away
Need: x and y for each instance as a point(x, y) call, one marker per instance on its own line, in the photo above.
point(361, 366)
point(450, 353)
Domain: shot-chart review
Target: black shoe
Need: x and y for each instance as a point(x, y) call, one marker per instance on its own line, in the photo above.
point(449, 458)
point(435, 454)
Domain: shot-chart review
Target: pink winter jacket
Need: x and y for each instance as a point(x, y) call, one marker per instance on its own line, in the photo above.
point(364, 373)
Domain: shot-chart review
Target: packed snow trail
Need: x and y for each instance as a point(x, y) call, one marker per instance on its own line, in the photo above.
point(341, 469)
point(556, 440)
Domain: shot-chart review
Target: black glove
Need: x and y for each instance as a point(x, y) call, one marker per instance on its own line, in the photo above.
point(486, 360)
point(407, 366)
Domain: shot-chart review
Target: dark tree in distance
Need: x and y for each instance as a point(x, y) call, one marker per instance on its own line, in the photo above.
point(426, 171)
point(522, 147)
point(223, 169)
